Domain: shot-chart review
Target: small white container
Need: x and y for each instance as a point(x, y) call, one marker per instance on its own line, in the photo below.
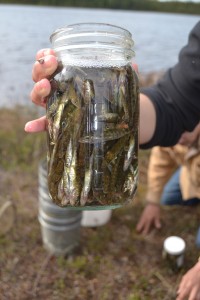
point(173, 251)
point(94, 218)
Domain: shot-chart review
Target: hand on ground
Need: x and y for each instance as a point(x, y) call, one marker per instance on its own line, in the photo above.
point(149, 219)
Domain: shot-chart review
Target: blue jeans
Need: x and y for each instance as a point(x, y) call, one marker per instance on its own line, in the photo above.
point(172, 194)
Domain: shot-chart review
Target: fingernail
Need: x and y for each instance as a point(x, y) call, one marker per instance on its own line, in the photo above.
point(28, 126)
point(41, 61)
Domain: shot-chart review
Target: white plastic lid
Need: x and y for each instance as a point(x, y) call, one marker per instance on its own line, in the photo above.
point(93, 218)
point(174, 245)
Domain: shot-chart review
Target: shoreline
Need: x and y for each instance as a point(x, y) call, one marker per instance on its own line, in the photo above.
point(172, 7)
point(145, 79)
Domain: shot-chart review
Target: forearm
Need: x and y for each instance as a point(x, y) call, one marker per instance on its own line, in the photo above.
point(175, 99)
point(147, 119)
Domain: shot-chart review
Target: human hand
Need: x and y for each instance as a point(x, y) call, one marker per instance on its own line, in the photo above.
point(149, 218)
point(189, 287)
point(188, 138)
point(45, 65)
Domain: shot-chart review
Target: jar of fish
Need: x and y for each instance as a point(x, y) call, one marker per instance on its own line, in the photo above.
point(92, 116)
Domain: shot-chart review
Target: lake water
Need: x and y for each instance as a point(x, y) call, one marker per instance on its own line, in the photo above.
point(25, 29)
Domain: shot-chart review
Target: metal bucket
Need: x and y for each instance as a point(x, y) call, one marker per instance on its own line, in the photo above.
point(60, 227)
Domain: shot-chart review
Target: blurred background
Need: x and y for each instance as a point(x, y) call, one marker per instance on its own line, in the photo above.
point(24, 29)
point(112, 260)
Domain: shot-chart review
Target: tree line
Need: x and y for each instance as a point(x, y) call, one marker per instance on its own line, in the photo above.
point(142, 5)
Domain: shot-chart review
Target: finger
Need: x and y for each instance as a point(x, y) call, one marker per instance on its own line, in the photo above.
point(182, 284)
point(143, 228)
point(44, 67)
point(40, 91)
point(37, 125)
point(179, 292)
point(44, 52)
point(147, 227)
point(157, 224)
point(194, 294)
point(139, 226)
point(182, 293)
point(181, 296)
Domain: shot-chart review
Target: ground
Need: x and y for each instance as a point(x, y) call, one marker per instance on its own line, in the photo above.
point(111, 262)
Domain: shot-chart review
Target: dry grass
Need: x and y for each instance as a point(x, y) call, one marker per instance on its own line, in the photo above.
point(112, 261)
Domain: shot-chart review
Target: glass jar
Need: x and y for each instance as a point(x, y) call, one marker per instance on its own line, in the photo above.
point(92, 118)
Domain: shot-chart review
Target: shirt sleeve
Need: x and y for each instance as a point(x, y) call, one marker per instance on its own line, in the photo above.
point(161, 167)
point(176, 97)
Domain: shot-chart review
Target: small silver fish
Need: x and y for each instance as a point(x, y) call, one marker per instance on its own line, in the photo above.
point(71, 184)
point(87, 183)
point(130, 153)
point(130, 184)
point(88, 91)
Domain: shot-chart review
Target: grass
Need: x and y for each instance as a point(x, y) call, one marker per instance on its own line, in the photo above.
point(111, 262)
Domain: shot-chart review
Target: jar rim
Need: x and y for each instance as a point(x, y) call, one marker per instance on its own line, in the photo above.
point(94, 42)
point(69, 28)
